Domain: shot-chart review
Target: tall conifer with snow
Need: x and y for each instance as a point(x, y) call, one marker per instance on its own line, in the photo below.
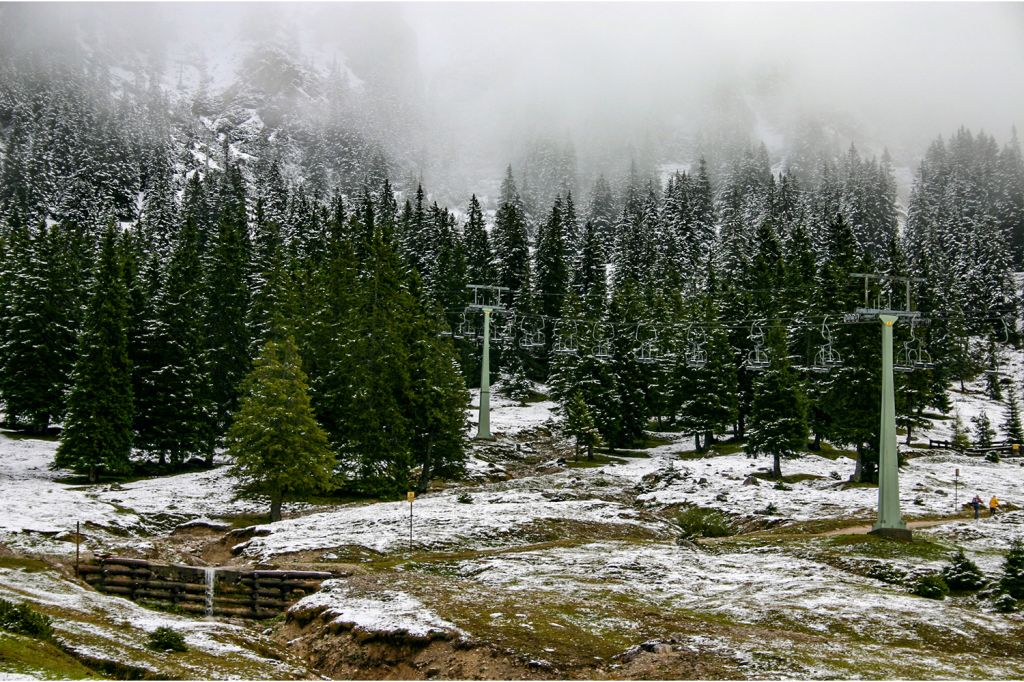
point(278, 449)
point(97, 435)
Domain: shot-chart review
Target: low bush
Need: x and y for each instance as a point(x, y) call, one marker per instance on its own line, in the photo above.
point(24, 620)
point(931, 586)
point(962, 574)
point(704, 523)
point(166, 639)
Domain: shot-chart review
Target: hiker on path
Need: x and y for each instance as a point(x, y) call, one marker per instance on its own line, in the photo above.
point(976, 503)
point(993, 506)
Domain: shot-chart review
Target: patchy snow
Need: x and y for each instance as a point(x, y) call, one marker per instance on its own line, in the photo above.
point(383, 612)
point(37, 506)
point(112, 628)
point(756, 586)
point(439, 521)
point(509, 417)
point(926, 485)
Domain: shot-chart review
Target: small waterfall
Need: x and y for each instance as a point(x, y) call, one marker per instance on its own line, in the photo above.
point(211, 577)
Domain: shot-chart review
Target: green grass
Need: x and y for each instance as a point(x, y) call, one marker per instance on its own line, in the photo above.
point(23, 655)
point(28, 565)
point(876, 547)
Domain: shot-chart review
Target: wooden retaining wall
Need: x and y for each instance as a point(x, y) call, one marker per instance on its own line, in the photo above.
point(245, 594)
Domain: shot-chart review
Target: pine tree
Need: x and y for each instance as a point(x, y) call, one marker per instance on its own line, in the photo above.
point(962, 574)
point(227, 305)
point(1012, 425)
point(1012, 581)
point(711, 403)
point(175, 418)
point(778, 417)
point(960, 439)
point(479, 255)
point(279, 450)
point(983, 431)
point(97, 434)
point(579, 424)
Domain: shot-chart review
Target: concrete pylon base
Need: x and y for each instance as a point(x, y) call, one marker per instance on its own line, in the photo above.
point(894, 533)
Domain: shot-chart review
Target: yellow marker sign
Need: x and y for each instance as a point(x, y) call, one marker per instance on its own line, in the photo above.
point(410, 496)
point(1016, 447)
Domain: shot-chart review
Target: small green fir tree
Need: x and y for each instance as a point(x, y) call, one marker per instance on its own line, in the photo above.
point(960, 439)
point(778, 417)
point(579, 423)
point(983, 431)
point(279, 449)
point(962, 574)
point(1012, 582)
point(1012, 424)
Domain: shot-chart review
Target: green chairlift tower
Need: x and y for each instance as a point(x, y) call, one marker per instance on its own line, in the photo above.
point(890, 521)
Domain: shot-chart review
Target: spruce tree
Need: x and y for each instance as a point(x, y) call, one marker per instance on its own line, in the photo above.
point(1012, 580)
point(175, 418)
point(1012, 424)
point(278, 448)
point(479, 255)
point(97, 435)
point(778, 417)
point(579, 424)
point(983, 431)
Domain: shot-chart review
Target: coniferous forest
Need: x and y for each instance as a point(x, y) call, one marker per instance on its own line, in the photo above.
point(150, 255)
point(739, 288)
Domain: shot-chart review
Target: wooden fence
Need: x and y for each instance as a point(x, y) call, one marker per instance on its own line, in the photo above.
point(202, 591)
point(1005, 448)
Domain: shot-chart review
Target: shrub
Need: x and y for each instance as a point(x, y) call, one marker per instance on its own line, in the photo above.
point(24, 620)
point(704, 523)
point(931, 586)
point(962, 574)
point(166, 639)
point(1004, 603)
point(992, 456)
point(886, 573)
point(464, 498)
point(1012, 582)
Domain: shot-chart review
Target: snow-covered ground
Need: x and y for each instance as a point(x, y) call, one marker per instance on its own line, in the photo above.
point(108, 628)
point(620, 542)
point(36, 507)
point(390, 612)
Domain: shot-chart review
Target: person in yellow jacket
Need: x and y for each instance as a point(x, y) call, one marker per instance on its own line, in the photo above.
point(993, 505)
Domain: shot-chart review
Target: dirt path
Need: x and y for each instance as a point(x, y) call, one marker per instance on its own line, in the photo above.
point(865, 529)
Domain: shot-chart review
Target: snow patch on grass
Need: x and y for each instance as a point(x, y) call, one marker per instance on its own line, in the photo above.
point(380, 613)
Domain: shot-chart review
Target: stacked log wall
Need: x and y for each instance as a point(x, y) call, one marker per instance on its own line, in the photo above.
point(237, 593)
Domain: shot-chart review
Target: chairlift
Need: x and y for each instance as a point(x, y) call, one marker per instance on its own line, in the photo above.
point(827, 358)
point(602, 346)
point(757, 358)
point(466, 329)
point(648, 350)
point(532, 336)
point(696, 356)
point(566, 343)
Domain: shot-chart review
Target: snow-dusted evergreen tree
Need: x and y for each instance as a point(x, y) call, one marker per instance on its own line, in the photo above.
point(45, 271)
point(1012, 425)
point(97, 434)
point(710, 405)
point(175, 419)
point(579, 424)
point(983, 431)
point(278, 448)
point(479, 254)
point(778, 417)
